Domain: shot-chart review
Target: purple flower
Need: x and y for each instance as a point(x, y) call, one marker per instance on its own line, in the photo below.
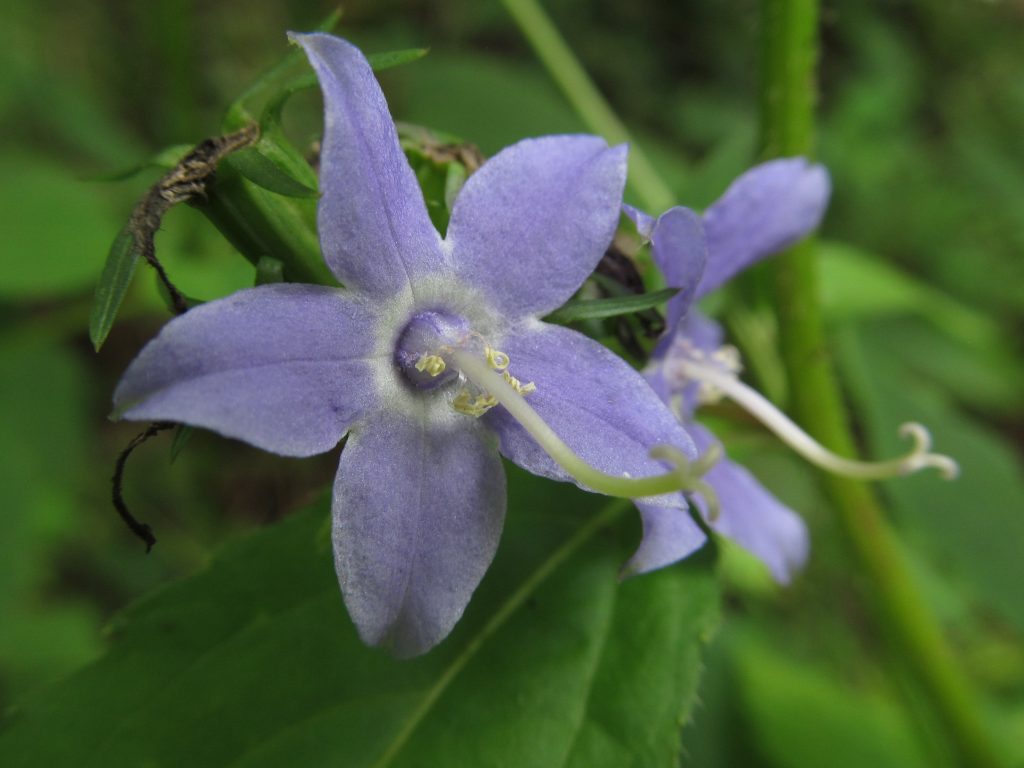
point(764, 211)
point(392, 359)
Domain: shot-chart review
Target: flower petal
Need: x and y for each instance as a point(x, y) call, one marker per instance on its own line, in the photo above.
point(670, 534)
point(680, 251)
point(373, 222)
point(767, 209)
point(284, 367)
point(534, 221)
point(596, 403)
point(644, 222)
point(417, 516)
point(693, 330)
point(752, 517)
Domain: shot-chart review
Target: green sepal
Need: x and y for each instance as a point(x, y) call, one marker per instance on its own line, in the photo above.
point(588, 309)
point(269, 271)
point(181, 437)
point(258, 168)
point(114, 281)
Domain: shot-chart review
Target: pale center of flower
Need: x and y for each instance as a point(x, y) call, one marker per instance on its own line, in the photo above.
point(436, 347)
point(423, 337)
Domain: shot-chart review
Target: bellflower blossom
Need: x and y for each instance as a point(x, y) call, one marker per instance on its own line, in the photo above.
point(431, 358)
point(764, 211)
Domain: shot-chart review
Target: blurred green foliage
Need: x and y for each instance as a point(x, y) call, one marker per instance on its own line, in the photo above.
point(922, 106)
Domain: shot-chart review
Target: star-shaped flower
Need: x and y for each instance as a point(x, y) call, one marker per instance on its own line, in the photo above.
point(764, 211)
point(394, 359)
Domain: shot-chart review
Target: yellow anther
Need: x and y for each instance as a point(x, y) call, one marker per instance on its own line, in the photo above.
point(471, 405)
point(432, 364)
point(496, 359)
point(517, 385)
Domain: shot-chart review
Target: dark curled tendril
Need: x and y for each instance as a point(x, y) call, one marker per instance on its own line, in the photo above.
point(184, 182)
point(140, 529)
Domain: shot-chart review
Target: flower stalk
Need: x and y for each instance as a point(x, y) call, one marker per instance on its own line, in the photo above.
point(789, 31)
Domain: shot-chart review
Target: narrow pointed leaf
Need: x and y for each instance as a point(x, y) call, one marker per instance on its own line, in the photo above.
point(264, 172)
point(389, 59)
point(114, 281)
point(181, 437)
point(588, 309)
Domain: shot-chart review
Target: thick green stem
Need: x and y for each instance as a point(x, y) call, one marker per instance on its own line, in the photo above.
point(588, 102)
point(790, 52)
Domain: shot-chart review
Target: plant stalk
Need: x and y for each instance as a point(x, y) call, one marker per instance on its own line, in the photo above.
point(789, 31)
point(590, 105)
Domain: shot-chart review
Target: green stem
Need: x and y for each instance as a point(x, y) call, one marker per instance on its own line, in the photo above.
point(790, 52)
point(588, 102)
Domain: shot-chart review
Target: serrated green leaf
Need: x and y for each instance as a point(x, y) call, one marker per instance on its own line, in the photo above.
point(264, 172)
point(589, 309)
point(114, 281)
point(255, 663)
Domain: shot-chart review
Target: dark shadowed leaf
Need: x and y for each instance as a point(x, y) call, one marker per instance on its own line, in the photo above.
point(254, 662)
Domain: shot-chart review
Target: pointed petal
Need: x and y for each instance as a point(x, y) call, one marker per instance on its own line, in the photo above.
point(373, 222)
point(670, 534)
point(283, 367)
point(764, 211)
point(644, 221)
point(417, 516)
point(534, 221)
point(680, 251)
point(596, 403)
point(752, 517)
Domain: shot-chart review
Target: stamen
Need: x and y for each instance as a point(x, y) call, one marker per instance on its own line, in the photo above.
point(919, 457)
point(497, 360)
point(432, 364)
point(473, 405)
point(685, 476)
point(518, 386)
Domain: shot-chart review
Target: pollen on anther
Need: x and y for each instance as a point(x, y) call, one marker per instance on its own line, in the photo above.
point(517, 385)
point(432, 364)
point(471, 405)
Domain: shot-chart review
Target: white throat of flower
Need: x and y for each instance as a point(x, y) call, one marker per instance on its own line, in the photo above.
point(716, 376)
point(490, 383)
